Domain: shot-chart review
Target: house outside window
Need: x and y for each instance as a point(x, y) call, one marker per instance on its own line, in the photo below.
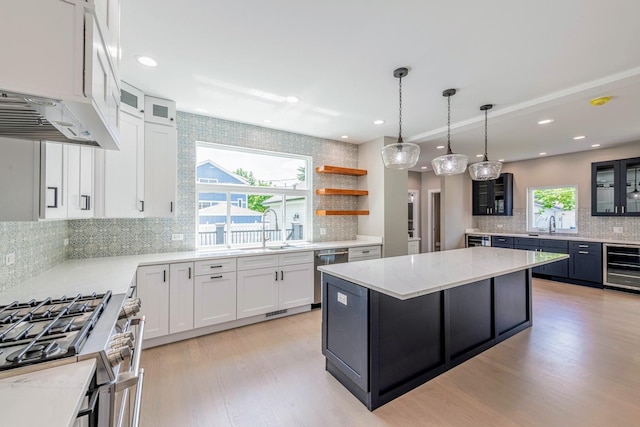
point(236, 186)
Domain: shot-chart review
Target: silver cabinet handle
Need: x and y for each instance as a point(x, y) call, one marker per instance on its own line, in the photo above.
point(615, 210)
point(622, 209)
point(583, 252)
point(583, 246)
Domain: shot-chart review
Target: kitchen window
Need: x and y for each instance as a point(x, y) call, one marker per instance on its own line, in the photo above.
point(236, 186)
point(552, 209)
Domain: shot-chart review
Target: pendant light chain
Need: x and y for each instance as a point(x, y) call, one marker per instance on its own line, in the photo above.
point(449, 124)
point(486, 112)
point(400, 110)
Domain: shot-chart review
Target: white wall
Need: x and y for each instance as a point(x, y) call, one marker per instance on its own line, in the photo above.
point(387, 199)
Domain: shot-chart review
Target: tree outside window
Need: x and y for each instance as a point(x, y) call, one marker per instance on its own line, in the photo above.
point(557, 202)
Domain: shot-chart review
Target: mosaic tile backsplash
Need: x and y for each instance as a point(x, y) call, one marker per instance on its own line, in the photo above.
point(593, 227)
point(110, 237)
point(37, 246)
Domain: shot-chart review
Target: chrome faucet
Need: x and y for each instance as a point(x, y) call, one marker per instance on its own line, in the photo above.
point(552, 224)
point(264, 231)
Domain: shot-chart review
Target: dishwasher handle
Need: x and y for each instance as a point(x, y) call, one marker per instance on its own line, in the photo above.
point(333, 254)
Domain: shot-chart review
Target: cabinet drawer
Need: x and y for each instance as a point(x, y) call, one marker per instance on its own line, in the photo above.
point(528, 241)
point(586, 246)
point(259, 261)
point(552, 243)
point(364, 252)
point(295, 258)
point(215, 266)
point(501, 241)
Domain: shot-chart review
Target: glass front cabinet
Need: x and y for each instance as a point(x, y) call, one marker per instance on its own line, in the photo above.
point(493, 197)
point(615, 188)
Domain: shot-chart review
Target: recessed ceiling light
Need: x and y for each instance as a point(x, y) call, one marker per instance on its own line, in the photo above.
point(479, 155)
point(378, 122)
point(542, 154)
point(501, 160)
point(545, 122)
point(423, 167)
point(344, 136)
point(579, 137)
point(147, 61)
point(595, 145)
point(292, 99)
point(267, 121)
point(440, 147)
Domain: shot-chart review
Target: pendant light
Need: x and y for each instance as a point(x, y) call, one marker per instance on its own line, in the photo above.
point(401, 155)
point(635, 194)
point(450, 163)
point(485, 170)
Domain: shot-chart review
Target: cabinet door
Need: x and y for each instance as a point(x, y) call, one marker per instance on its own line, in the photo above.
point(604, 196)
point(630, 187)
point(257, 292)
point(160, 163)
point(214, 299)
point(295, 285)
point(152, 287)
point(482, 197)
point(160, 111)
point(108, 17)
point(180, 297)
point(503, 195)
point(20, 179)
point(413, 247)
point(558, 268)
point(55, 180)
point(586, 264)
point(79, 181)
point(131, 100)
point(124, 172)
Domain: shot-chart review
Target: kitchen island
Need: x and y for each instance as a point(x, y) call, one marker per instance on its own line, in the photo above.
point(390, 325)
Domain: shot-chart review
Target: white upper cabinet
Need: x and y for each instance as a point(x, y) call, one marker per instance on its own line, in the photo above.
point(79, 181)
point(131, 100)
point(54, 167)
point(69, 51)
point(160, 111)
point(20, 179)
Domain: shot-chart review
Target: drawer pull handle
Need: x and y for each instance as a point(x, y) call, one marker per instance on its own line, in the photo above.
point(216, 277)
point(215, 266)
point(365, 252)
point(583, 246)
point(583, 252)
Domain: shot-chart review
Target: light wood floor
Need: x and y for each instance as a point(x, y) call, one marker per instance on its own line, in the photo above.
point(579, 365)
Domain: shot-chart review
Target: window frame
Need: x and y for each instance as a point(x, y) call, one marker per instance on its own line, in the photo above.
point(530, 207)
point(231, 189)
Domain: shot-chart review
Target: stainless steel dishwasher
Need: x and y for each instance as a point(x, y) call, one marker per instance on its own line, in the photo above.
point(326, 257)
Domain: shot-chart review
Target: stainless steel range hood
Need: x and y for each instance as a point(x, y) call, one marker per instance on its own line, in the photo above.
point(35, 118)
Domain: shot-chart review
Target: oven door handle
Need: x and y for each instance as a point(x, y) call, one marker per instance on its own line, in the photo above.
point(136, 405)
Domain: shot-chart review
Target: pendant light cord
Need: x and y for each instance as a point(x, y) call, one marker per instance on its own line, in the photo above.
point(400, 111)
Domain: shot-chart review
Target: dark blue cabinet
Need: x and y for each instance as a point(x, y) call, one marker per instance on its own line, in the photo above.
point(556, 269)
point(615, 186)
point(586, 262)
point(493, 197)
point(502, 242)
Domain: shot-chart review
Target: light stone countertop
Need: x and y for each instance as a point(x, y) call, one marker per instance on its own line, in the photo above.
point(543, 235)
point(409, 276)
point(116, 274)
point(50, 397)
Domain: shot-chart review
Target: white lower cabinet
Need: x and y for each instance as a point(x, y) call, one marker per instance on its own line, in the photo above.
point(282, 281)
point(153, 289)
point(180, 297)
point(413, 247)
point(214, 295)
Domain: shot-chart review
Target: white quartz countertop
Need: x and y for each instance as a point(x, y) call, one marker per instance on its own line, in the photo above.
point(62, 389)
point(409, 276)
point(116, 274)
point(543, 235)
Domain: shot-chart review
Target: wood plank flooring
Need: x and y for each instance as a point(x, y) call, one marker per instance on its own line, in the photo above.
point(579, 365)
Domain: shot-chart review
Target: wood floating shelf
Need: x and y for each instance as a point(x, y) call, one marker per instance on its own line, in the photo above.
point(341, 192)
point(340, 171)
point(321, 212)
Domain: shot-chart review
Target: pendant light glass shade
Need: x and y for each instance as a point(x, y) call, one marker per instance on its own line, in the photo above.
point(485, 170)
point(401, 155)
point(450, 163)
point(635, 194)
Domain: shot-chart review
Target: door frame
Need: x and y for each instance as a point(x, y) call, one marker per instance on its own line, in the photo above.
point(430, 218)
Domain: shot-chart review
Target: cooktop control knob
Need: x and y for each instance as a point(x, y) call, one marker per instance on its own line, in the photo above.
point(117, 355)
point(130, 308)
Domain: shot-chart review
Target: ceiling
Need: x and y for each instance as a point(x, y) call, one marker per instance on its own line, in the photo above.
point(239, 60)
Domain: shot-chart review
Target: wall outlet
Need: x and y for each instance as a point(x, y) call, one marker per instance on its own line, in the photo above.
point(177, 237)
point(66, 242)
point(618, 230)
point(342, 298)
point(323, 231)
point(10, 259)
point(499, 225)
